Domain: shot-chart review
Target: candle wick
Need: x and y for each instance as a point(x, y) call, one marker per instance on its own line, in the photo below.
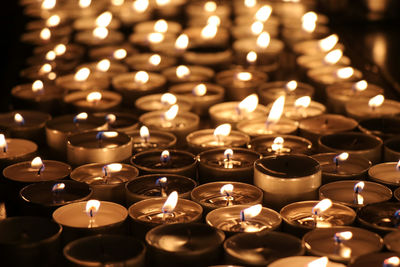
point(39, 172)
point(5, 149)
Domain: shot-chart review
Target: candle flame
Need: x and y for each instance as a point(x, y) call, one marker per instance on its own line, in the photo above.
point(291, 86)
point(110, 168)
point(391, 262)
point(209, 31)
point(156, 37)
point(57, 187)
point(263, 40)
point(48, 4)
point(249, 104)
point(250, 3)
point(182, 42)
point(360, 85)
point(244, 76)
point(163, 2)
point(53, 21)
point(162, 181)
point(51, 55)
point(257, 27)
point(277, 143)
point(84, 3)
point(358, 187)
point(37, 86)
point(200, 90)
point(111, 118)
point(250, 212)
point(141, 77)
point(182, 71)
point(171, 113)
point(345, 73)
point(82, 74)
point(100, 32)
point(104, 19)
point(46, 68)
point(328, 43)
point(144, 132)
point(155, 60)
point(117, 2)
point(92, 207)
point(214, 20)
point(3, 143)
point(107, 134)
point(276, 110)
point(45, 34)
point(93, 97)
point(120, 54)
point(165, 156)
point(333, 57)
point(37, 163)
point(140, 5)
point(226, 190)
point(341, 157)
point(18, 119)
point(60, 49)
point(398, 166)
point(376, 101)
point(263, 13)
point(322, 206)
point(303, 102)
point(343, 236)
point(320, 262)
point(168, 99)
point(210, 6)
point(103, 65)
point(308, 23)
point(228, 153)
point(161, 26)
point(223, 130)
point(80, 117)
point(170, 203)
point(251, 57)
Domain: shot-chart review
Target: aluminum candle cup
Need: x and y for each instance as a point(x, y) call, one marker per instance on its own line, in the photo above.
point(328, 75)
point(194, 74)
point(42, 198)
point(301, 261)
point(309, 62)
point(260, 249)
point(155, 102)
point(322, 242)
point(396, 194)
point(155, 140)
point(17, 150)
point(98, 147)
point(106, 249)
point(209, 56)
point(260, 127)
point(391, 241)
point(270, 91)
point(272, 144)
point(93, 82)
point(287, 178)
point(29, 241)
point(383, 128)
point(87, 37)
point(76, 222)
point(381, 218)
point(385, 173)
point(372, 259)
point(113, 52)
point(149, 186)
point(220, 39)
point(209, 195)
point(336, 169)
point(105, 68)
point(148, 213)
point(359, 109)
point(149, 62)
point(106, 181)
point(391, 149)
point(298, 113)
point(344, 192)
point(217, 165)
point(184, 245)
point(231, 221)
point(361, 144)
point(101, 101)
point(119, 121)
point(313, 128)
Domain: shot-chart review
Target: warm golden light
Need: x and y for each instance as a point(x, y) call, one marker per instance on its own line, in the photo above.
point(244, 76)
point(103, 65)
point(53, 21)
point(84, 3)
point(302, 102)
point(120, 54)
point(398, 166)
point(171, 113)
point(249, 104)
point(45, 34)
point(214, 20)
point(263, 40)
point(111, 118)
point(81, 116)
point(170, 203)
point(37, 163)
point(358, 187)
point(210, 6)
point(163, 2)
point(107, 134)
point(328, 43)
point(182, 71)
point(291, 86)
point(37, 86)
point(277, 143)
point(276, 110)
point(226, 190)
point(228, 153)
point(117, 2)
point(263, 13)
point(51, 55)
point(100, 32)
point(46, 68)
point(144, 132)
point(57, 187)
point(251, 57)
point(309, 21)
point(223, 130)
point(48, 4)
point(322, 206)
point(92, 207)
point(257, 27)
point(113, 167)
point(155, 60)
point(140, 5)
point(250, 212)
point(82, 74)
point(93, 97)
point(182, 42)
point(60, 49)
point(161, 26)
point(391, 262)
point(168, 99)
point(250, 3)
point(333, 57)
point(345, 73)
point(155, 37)
point(141, 77)
point(18, 119)
point(376, 101)
point(104, 19)
point(209, 31)
point(3, 143)
point(360, 85)
point(343, 236)
point(200, 90)
point(320, 262)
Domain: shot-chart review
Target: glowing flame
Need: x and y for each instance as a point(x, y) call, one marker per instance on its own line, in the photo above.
point(80, 117)
point(171, 113)
point(100, 32)
point(228, 153)
point(277, 143)
point(182, 71)
point(170, 203)
point(376, 101)
point(360, 85)
point(226, 190)
point(303, 102)
point(244, 76)
point(110, 134)
point(93, 97)
point(214, 20)
point(48, 4)
point(358, 187)
point(84, 3)
point(345, 73)
point(200, 90)
point(45, 34)
point(51, 55)
point(398, 166)
point(168, 99)
point(144, 132)
point(37, 86)
point(120, 54)
point(263, 13)
point(155, 60)
point(140, 5)
point(60, 49)
point(341, 157)
point(209, 31)
point(263, 40)
point(161, 26)
point(291, 86)
point(141, 77)
point(328, 43)
point(210, 6)
point(250, 3)
point(82, 74)
point(391, 262)
point(111, 168)
point(164, 156)
point(333, 57)
point(320, 262)
point(3, 143)
point(117, 2)
point(249, 104)
point(257, 27)
point(104, 19)
point(182, 42)
point(103, 65)
point(53, 21)
point(111, 118)
point(343, 236)
point(250, 212)
point(18, 119)
point(309, 21)
point(57, 187)
point(322, 206)
point(223, 130)
point(276, 110)
point(156, 37)
point(163, 2)
point(251, 57)
point(46, 68)
point(37, 163)
point(92, 207)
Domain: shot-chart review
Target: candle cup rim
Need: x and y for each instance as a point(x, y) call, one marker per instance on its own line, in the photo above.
point(113, 97)
point(389, 238)
point(28, 143)
point(51, 124)
point(365, 128)
point(126, 141)
point(184, 103)
point(372, 138)
point(364, 222)
point(210, 132)
point(43, 119)
point(285, 137)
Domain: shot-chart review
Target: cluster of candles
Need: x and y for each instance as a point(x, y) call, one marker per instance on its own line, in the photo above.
point(190, 145)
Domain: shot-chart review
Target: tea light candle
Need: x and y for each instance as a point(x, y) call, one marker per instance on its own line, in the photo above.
point(334, 57)
point(91, 217)
point(292, 90)
point(342, 166)
point(13, 150)
point(318, 46)
point(143, 139)
point(106, 249)
point(98, 147)
point(247, 27)
point(65, 56)
point(208, 56)
point(386, 173)
point(209, 35)
point(182, 73)
point(287, 178)
point(260, 249)
point(329, 75)
point(60, 128)
point(118, 52)
point(280, 144)
point(132, 13)
point(313, 128)
point(356, 193)
point(386, 259)
point(376, 106)
point(383, 128)
point(107, 181)
point(221, 136)
point(361, 144)
point(240, 83)
point(391, 150)
point(160, 25)
point(184, 244)
point(301, 261)
point(82, 80)
point(222, 164)
point(391, 241)
point(158, 185)
point(45, 72)
point(99, 36)
point(381, 218)
point(92, 101)
point(150, 62)
point(216, 195)
point(105, 67)
point(202, 95)
point(244, 218)
point(151, 41)
point(165, 161)
point(105, 19)
point(46, 35)
point(300, 217)
point(119, 121)
point(156, 102)
point(342, 243)
point(207, 8)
